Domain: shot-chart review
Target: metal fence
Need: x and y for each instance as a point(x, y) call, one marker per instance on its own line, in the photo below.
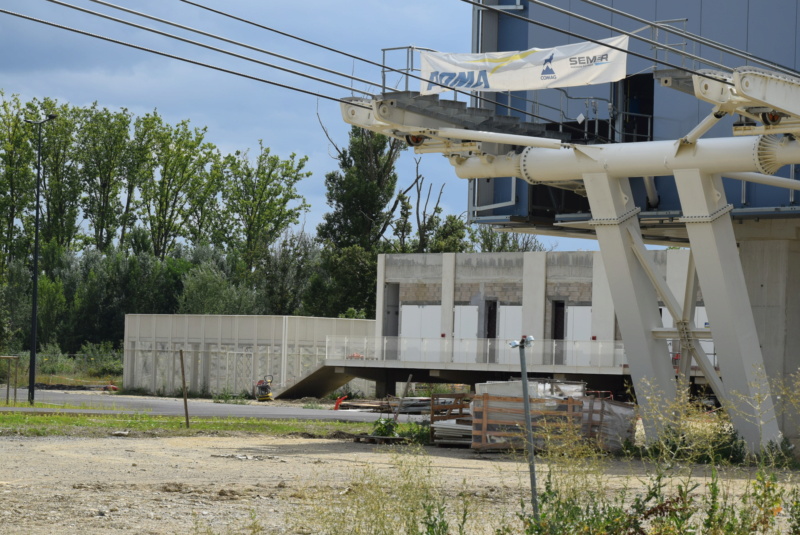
point(566, 353)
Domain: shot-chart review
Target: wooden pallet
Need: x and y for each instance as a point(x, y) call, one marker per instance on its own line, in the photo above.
point(447, 407)
point(499, 422)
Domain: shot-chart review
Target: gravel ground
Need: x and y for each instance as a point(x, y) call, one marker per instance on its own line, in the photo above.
point(200, 484)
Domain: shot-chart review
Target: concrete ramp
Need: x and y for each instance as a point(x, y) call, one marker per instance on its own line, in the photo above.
point(318, 383)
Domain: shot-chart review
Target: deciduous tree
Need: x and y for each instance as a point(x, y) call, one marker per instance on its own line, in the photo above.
point(181, 159)
point(102, 144)
point(17, 186)
point(262, 200)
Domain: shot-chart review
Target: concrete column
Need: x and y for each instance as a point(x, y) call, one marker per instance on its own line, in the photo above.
point(380, 285)
point(448, 292)
point(448, 305)
point(772, 274)
point(534, 293)
point(385, 387)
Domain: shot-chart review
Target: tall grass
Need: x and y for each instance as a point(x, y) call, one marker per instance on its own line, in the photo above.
point(696, 477)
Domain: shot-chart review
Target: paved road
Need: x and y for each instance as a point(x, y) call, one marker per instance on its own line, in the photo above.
point(174, 407)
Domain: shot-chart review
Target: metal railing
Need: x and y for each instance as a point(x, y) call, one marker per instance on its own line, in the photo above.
point(566, 353)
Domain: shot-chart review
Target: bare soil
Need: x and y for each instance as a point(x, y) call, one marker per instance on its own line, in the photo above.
point(201, 484)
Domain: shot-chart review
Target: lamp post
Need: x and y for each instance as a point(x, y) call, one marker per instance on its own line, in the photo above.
point(527, 341)
point(34, 312)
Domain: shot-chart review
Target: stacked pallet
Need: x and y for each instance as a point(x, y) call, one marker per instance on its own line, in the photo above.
point(498, 422)
point(451, 423)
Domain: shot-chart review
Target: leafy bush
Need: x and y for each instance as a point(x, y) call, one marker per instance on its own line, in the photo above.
point(384, 427)
point(100, 360)
point(50, 361)
point(415, 433)
point(226, 396)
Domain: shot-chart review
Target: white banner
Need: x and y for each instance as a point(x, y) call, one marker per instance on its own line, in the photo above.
point(537, 68)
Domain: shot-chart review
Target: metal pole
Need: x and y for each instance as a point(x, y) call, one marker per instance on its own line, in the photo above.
point(34, 313)
point(185, 401)
point(8, 382)
point(526, 403)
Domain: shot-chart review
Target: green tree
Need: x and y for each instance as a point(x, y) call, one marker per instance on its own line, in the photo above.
point(282, 276)
point(51, 311)
point(17, 179)
point(262, 200)
point(181, 160)
point(17, 298)
point(362, 197)
point(137, 165)
point(206, 218)
point(450, 235)
point(206, 290)
point(102, 143)
point(61, 179)
point(488, 240)
point(346, 279)
point(361, 191)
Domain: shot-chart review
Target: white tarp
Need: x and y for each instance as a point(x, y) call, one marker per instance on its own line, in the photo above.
point(538, 68)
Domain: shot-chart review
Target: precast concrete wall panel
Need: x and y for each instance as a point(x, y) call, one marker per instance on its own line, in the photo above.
point(227, 354)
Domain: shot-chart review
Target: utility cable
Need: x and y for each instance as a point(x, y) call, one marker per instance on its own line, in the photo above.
point(209, 47)
point(189, 41)
point(699, 39)
point(650, 42)
point(108, 17)
point(591, 40)
point(178, 58)
point(376, 64)
point(213, 36)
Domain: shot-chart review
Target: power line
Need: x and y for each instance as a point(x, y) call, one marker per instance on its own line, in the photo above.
point(209, 47)
point(629, 34)
point(289, 35)
point(220, 38)
point(376, 64)
point(175, 57)
point(698, 38)
point(196, 43)
point(596, 41)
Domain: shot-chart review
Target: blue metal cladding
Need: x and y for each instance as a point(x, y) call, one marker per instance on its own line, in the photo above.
point(769, 29)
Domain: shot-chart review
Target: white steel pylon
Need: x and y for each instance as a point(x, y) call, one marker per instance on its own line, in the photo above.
point(602, 173)
point(614, 217)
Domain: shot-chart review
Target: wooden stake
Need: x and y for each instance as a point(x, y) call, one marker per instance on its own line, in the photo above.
point(185, 401)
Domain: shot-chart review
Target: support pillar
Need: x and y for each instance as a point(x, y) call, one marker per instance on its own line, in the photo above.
point(719, 271)
point(635, 301)
point(772, 271)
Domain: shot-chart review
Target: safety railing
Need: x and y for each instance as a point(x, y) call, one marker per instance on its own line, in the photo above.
point(567, 353)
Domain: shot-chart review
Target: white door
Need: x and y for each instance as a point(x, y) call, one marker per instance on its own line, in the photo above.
point(465, 333)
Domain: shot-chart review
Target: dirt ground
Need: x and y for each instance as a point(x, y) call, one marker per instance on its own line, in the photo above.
point(217, 485)
point(198, 484)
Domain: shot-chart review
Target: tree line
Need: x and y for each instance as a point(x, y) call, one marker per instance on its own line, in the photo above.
point(142, 216)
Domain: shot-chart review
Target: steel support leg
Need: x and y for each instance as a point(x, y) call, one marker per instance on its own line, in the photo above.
point(635, 300)
point(719, 271)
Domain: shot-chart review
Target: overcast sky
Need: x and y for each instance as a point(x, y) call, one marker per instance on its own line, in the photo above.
point(41, 61)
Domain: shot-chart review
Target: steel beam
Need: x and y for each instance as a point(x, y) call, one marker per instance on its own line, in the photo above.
point(719, 271)
point(635, 300)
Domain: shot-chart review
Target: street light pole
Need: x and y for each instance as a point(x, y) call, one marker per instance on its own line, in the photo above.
point(34, 312)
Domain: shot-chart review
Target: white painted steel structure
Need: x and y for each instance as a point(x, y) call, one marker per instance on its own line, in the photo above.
point(602, 173)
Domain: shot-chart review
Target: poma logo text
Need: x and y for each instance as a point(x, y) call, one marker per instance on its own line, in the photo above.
point(464, 80)
point(587, 61)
